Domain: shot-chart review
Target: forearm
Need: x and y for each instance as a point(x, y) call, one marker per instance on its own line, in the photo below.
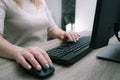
point(7, 50)
point(22, 55)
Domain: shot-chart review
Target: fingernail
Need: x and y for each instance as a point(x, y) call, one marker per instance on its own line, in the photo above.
point(51, 65)
point(77, 39)
point(29, 67)
point(38, 67)
point(47, 66)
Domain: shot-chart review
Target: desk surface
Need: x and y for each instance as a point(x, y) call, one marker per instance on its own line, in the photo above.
point(88, 68)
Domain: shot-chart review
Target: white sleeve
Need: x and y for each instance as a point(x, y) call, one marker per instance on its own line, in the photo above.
point(2, 17)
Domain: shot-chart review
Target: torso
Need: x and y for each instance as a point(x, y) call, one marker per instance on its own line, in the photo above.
point(25, 25)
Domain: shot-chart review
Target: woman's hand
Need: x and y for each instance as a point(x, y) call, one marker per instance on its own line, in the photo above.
point(72, 36)
point(33, 56)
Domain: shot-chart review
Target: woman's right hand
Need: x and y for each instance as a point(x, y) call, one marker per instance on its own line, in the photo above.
point(33, 56)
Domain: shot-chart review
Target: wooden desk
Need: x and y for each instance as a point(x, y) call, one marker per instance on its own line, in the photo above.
point(88, 68)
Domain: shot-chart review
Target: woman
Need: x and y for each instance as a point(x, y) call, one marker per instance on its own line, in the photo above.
point(22, 24)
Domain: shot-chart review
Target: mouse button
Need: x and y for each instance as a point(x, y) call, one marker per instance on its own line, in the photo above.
point(44, 72)
point(38, 73)
point(47, 71)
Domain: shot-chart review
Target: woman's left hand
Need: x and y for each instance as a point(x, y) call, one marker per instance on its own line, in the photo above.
point(72, 36)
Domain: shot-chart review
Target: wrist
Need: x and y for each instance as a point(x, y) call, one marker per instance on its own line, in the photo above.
point(61, 36)
point(15, 52)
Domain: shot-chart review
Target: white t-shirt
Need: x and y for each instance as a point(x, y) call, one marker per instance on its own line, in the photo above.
point(24, 25)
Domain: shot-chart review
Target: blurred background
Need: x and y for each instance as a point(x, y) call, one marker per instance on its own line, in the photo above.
point(74, 15)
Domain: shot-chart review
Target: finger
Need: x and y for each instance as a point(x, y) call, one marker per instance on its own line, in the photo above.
point(24, 63)
point(45, 55)
point(32, 60)
point(40, 57)
point(73, 36)
point(76, 36)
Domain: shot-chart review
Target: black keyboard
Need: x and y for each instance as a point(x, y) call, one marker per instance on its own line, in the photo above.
point(70, 52)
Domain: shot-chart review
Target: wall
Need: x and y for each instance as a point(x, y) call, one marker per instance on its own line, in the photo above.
point(55, 9)
point(85, 10)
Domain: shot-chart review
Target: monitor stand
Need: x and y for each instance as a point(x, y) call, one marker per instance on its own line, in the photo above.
point(110, 52)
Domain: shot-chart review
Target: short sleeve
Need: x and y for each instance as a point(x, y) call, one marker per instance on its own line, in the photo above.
point(2, 17)
point(52, 23)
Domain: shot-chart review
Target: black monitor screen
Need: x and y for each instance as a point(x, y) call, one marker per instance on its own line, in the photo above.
point(107, 14)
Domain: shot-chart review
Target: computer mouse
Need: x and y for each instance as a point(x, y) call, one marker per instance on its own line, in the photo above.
point(43, 73)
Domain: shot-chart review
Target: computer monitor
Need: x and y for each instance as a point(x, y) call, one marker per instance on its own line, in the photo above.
point(106, 15)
